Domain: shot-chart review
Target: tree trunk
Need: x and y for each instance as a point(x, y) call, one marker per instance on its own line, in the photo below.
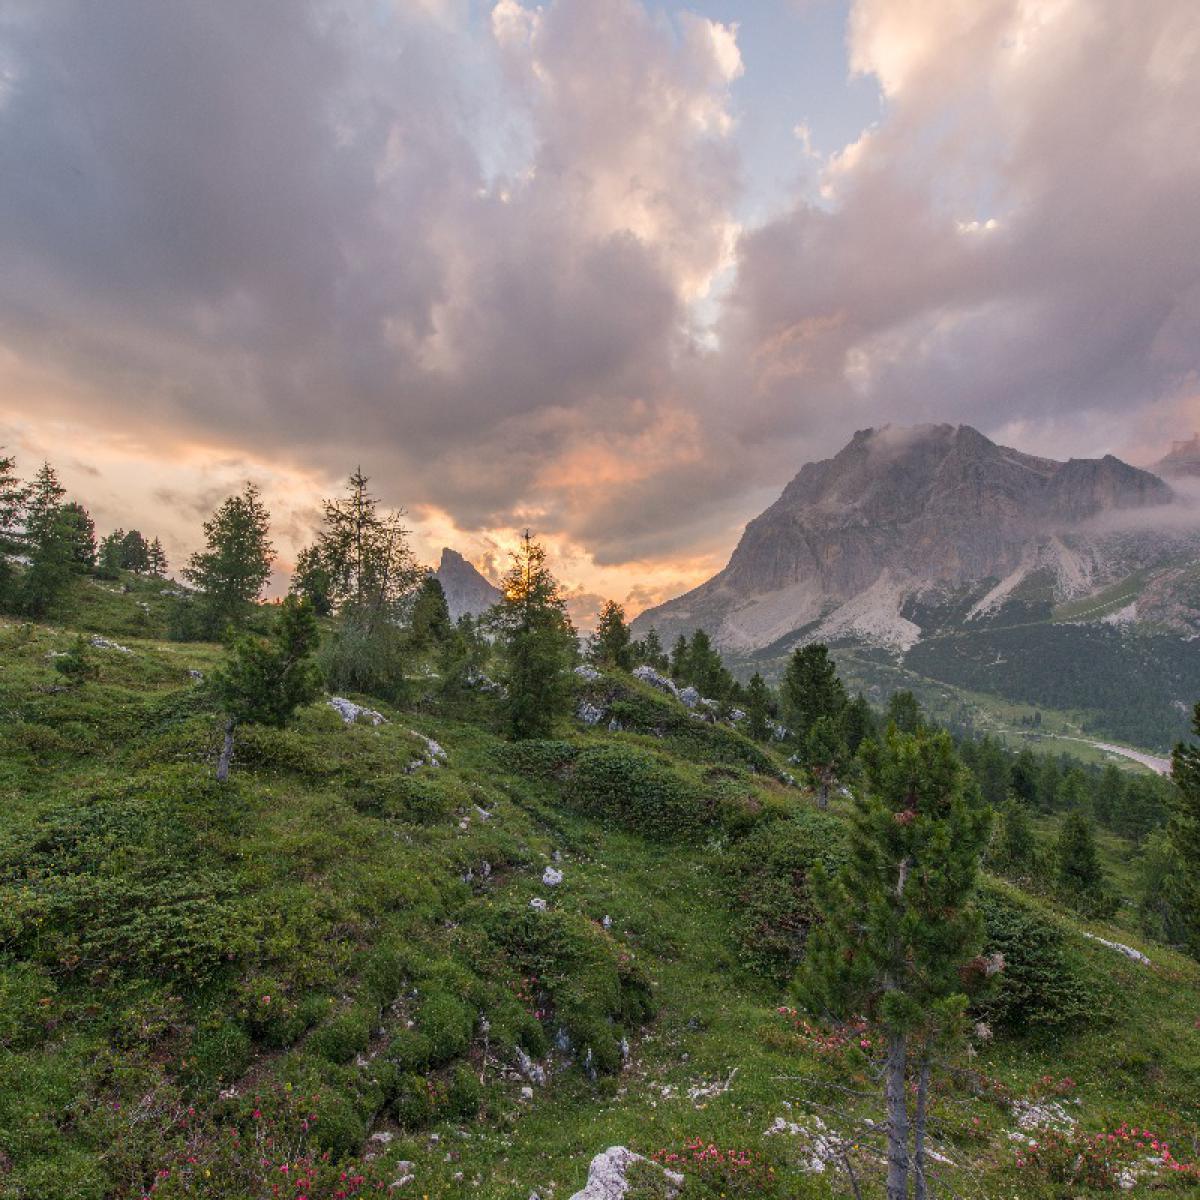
point(920, 1184)
point(226, 752)
point(897, 1111)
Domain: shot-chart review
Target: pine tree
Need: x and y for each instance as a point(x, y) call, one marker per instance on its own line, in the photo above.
point(1015, 846)
point(904, 712)
point(899, 932)
point(825, 755)
point(311, 581)
point(858, 723)
point(758, 709)
point(680, 653)
point(609, 645)
point(366, 556)
point(236, 564)
point(810, 690)
point(51, 567)
point(42, 505)
point(13, 495)
point(264, 680)
point(83, 535)
point(135, 552)
point(651, 651)
point(111, 554)
point(1079, 873)
point(156, 558)
point(537, 642)
point(430, 624)
point(1184, 832)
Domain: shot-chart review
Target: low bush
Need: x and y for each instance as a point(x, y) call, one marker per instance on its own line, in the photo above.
point(1045, 983)
point(638, 790)
point(766, 878)
point(342, 1037)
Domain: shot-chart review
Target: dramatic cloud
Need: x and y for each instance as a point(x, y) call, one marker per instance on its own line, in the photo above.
point(493, 253)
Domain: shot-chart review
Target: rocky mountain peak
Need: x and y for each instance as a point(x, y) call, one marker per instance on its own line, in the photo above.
point(467, 591)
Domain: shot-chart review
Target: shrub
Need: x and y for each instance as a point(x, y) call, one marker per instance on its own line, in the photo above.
point(342, 1037)
point(411, 1050)
point(219, 1054)
point(767, 882)
point(638, 790)
point(537, 757)
point(1045, 983)
point(448, 1024)
point(465, 1094)
point(423, 797)
point(416, 1102)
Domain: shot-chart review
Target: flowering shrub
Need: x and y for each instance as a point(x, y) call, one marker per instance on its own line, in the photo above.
point(713, 1171)
point(849, 1041)
point(269, 1151)
point(1106, 1161)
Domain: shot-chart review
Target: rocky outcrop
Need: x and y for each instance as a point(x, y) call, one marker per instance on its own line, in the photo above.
point(466, 590)
point(608, 1175)
point(896, 513)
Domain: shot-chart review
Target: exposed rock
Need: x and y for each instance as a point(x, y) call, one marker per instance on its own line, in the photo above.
point(1047, 1115)
point(587, 673)
point(351, 712)
point(538, 903)
point(434, 753)
point(551, 877)
point(649, 675)
point(466, 590)
point(821, 1146)
point(608, 1175)
point(688, 697)
point(1121, 948)
point(198, 676)
point(480, 682)
point(103, 643)
point(588, 713)
point(532, 1071)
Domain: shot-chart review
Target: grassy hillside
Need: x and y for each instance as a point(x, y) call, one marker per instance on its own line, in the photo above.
point(332, 963)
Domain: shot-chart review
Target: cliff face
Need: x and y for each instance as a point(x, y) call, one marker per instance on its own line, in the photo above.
point(900, 511)
point(467, 591)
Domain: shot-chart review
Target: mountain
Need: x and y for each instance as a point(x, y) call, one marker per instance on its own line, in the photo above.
point(467, 591)
point(908, 537)
point(1183, 460)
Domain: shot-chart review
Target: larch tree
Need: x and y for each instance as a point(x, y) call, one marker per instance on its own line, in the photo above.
point(234, 567)
point(899, 934)
point(264, 680)
point(537, 642)
point(758, 709)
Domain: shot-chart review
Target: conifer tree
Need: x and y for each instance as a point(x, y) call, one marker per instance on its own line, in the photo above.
point(135, 552)
point(825, 755)
point(1184, 832)
point(609, 645)
point(1079, 873)
point(233, 569)
point(899, 931)
point(650, 651)
point(83, 535)
point(810, 690)
point(680, 654)
point(42, 505)
point(311, 581)
point(13, 495)
point(264, 680)
point(858, 723)
point(537, 642)
point(758, 709)
point(110, 556)
point(904, 711)
point(365, 557)
point(51, 567)
point(430, 624)
point(156, 559)
point(1015, 845)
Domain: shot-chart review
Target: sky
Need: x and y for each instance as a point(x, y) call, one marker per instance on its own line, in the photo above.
point(610, 269)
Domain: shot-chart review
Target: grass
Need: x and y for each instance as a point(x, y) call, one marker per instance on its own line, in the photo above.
point(177, 957)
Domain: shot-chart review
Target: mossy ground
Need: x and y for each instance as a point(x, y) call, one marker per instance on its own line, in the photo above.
point(326, 925)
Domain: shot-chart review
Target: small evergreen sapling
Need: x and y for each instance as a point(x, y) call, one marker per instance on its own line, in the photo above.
point(264, 680)
point(609, 645)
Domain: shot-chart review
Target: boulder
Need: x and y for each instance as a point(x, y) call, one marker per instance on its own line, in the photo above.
point(655, 680)
point(587, 674)
point(608, 1175)
point(351, 712)
point(588, 713)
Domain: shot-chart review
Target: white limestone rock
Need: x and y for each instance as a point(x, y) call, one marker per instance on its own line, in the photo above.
point(351, 712)
point(608, 1175)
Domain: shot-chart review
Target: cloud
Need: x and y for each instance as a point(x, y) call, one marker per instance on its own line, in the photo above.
point(498, 261)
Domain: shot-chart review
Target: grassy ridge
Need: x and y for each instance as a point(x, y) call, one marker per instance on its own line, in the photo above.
point(347, 922)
